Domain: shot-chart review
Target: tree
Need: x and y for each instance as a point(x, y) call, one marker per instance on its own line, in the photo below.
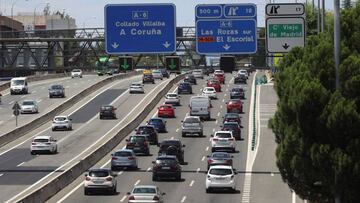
point(347, 4)
point(317, 128)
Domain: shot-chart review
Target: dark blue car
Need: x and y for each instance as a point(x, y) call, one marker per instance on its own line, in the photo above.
point(159, 124)
point(184, 87)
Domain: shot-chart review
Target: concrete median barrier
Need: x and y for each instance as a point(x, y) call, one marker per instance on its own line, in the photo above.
point(54, 185)
point(20, 131)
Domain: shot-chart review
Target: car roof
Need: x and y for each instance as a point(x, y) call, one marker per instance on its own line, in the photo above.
point(18, 78)
point(107, 105)
point(42, 137)
point(29, 100)
point(221, 167)
point(61, 116)
point(234, 100)
point(124, 150)
point(167, 156)
point(99, 169)
point(148, 186)
point(234, 123)
point(191, 117)
point(173, 140)
point(223, 131)
point(166, 105)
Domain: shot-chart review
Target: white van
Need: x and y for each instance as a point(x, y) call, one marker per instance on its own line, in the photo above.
point(19, 85)
point(200, 106)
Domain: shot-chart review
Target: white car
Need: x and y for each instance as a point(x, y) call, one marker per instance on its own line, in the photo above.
point(43, 144)
point(172, 98)
point(223, 140)
point(210, 92)
point(198, 73)
point(61, 122)
point(29, 106)
point(218, 72)
point(100, 179)
point(76, 73)
point(220, 177)
point(146, 193)
point(243, 72)
point(157, 74)
point(136, 87)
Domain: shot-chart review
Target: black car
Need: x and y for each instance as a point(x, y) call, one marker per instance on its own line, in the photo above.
point(148, 78)
point(107, 111)
point(184, 87)
point(139, 144)
point(190, 79)
point(150, 131)
point(232, 117)
point(240, 79)
point(56, 91)
point(237, 93)
point(165, 73)
point(172, 147)
point(234, 127)
point(166, 167)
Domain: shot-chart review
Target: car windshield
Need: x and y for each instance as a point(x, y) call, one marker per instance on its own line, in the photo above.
point(155, 121)
point(123, 154)
point(184, 84)
point(209, 89)
point(220, 155)
point(136, 84)
point(170, 143)
point(41, 140)
point(99, 173)
point(165, 107)
point(144, 190)
point(231, 116)
point(166, 161)
point(106, 108)
point(18, 82)
point(172, 95)
point(223, 135)
point(231, 125)
point(145, 129)
point(137, 139)
point(76, 70)
point(60, 119)
point(191, 120)
point(237, 90)
point(220, 171)
point(214, 82)
point(54, 87)
point(28, 103)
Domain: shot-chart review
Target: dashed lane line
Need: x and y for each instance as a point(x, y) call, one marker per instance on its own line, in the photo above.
point(137, 183)
point(123, 198)
point(183, 199)
point(203, 158)
point(191, 183)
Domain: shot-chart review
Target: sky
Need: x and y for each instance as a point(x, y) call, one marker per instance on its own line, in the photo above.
point(91, 12)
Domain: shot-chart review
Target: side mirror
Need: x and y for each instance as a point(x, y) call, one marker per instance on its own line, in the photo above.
point(158, 144)
point(127, 140)
point(86, 174)
point(208, 156)
point(55, 140)
point(112, 154)
point(211, 135)
point(184, 145)
point(221, 126)
point(182, 121)
point(163, 193)
point(128, 193)
point(153, 162)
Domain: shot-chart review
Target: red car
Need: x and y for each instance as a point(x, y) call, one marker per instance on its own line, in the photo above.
point(215, 84)
point(234, 105)
point(220, 77)
point(166, 110)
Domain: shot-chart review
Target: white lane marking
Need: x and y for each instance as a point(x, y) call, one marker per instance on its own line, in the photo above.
point(38, 101)
point(23, 96)
point(148, 169)
point(20, 164)
point(1, 174)
point(187, 114)
point(1, 122)
point(183, 199)
point(191, 183)
point(225, 95)
point(67, 87)
point(42, 132)
point(137, 183)
point(216, 122)
point(218, 114)
point(221, 106)
point(72, 191)
point(172, 138)
point(11, 102)
point(123, 198)
point(213, 129)
point(293, 195)
point(197, 170)
point(177, 130)
point(207, 148)
point(227, 89)
point(223, 100)
point(203, 158)
point(121, 172)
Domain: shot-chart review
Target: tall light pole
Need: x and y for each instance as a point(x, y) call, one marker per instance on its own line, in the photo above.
point(47, 3)
point(337, 44)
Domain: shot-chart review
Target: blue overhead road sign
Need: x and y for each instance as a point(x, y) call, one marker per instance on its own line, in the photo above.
point(226, 29)
point(140, 28)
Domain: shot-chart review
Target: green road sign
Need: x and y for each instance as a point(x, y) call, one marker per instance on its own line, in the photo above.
point(285, 30)
point(126, 63)
point(173, 63)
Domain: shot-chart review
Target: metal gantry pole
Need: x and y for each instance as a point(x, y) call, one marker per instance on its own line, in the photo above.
point(337, 42)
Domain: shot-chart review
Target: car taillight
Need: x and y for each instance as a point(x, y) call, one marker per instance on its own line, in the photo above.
point(215, 139)
point(146, 143)
point(208, 177)
point(174, 168)
point(232, 177)
point(131, 197)
point(48, 143)
point(156, 198)
point(131, 158)
point(231, 139)
point(34, 143)
point(109, 179)
point(114, 158)
point(87, 178)
point(229, 161)
point(210, 161)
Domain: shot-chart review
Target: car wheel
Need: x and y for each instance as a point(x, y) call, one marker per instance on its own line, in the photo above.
point(86, 191)
point(208, 190)
point(154, 178)
point(183, 134)
point(147, 152)
point(153, 82)
point(101, 117)
point(50, 96)
point(213, 149)
point(32, 153)
point(201, 134)
point(55, 151)
point(178, 177)
point(70, 128)
point(114, 190)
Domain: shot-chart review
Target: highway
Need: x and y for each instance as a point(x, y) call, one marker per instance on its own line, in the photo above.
point(19, 170)
point(39, 92)
point(192, 185)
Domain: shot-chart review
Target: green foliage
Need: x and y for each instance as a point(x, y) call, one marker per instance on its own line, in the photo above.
point(347, 4)
point(316, 127)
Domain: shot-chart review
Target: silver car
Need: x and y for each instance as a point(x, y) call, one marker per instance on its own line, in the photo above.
point(123, 158)
point(61, 122)
point(172, 98)
point(76, 73)
point(157, 74)
point(100, 179)
point(146, 194)
point(192, 125)
point(29, 106)
point(43, 144)
point(198, 73)
point(136, 87)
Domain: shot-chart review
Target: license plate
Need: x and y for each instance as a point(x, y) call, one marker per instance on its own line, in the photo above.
point(165, 167)
point(98, 182)
point(219, 178)
point(137, 148)
point(223, 140)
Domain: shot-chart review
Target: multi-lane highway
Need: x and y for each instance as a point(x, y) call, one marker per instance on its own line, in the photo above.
point(20, 170)
point(39, 92)
point(192, 186)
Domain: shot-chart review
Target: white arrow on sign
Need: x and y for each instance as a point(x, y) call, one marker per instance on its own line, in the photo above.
point(166, 44)
point(226, 47)
point(115, 45)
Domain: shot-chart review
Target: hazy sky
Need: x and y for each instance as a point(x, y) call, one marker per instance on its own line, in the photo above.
point(91, 12)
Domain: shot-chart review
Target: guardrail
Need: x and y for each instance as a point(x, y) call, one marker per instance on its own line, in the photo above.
point(21, 131)
point(62, 180)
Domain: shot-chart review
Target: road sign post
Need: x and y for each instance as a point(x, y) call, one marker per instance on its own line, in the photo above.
point(126, 63)
point(226, 28)
point(16, 112)
point(285, 27)
point(140, 28)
